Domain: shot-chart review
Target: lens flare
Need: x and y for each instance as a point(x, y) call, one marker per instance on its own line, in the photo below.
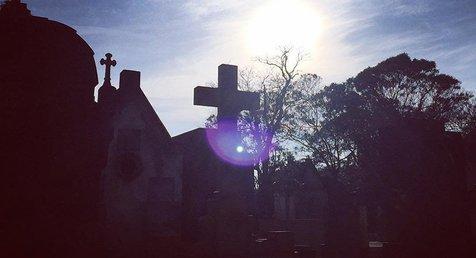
point(227, 144)
point(240, 149)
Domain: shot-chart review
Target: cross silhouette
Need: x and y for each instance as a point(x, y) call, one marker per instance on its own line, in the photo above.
point(227, 98)
point(108, 62)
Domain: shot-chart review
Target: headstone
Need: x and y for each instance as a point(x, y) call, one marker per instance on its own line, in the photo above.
point(227, 227)
point(225, 220)
point(281, 243)
point(229, 101)
point(363, 227)
point(227, 98)
point(304, 251)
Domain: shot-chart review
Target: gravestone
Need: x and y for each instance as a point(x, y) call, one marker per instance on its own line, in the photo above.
point(205, 171)
point(227, 98)
point(229, 102)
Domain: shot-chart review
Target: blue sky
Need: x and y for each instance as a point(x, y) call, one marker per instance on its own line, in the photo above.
point(178, 45)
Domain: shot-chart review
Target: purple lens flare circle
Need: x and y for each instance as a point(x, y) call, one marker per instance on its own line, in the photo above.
point(227, 144)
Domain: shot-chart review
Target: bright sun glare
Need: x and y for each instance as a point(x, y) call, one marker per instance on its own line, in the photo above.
point(240, 149)
point(279, 23)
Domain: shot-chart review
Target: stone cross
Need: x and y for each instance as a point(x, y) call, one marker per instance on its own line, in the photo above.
point(227, 98)
point(108, 62)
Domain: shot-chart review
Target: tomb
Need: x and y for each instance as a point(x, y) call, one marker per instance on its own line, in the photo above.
point(52, 147)
point(141, 181)
point(213, 167)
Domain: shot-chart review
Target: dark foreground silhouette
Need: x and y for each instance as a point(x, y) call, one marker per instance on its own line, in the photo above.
point(82, 178)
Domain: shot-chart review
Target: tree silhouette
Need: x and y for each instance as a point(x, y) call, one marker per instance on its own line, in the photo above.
point(414, 87)
point(347, 117)
point(396, 118)
point(262, 129)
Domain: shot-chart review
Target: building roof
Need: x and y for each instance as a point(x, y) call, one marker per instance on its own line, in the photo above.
point(41, 50)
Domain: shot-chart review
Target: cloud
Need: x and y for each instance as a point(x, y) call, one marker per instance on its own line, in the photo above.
point(362, 33)
point(412, 8)
point(178, 45)
point(356, 34)
point(202, 9)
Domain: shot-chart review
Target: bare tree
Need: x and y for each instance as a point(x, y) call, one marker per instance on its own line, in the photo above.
point(264, 130)
point(266, 125)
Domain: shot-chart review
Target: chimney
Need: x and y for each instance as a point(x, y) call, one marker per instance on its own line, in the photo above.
point(130, 80)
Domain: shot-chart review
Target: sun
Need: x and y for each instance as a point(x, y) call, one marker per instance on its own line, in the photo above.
point(278, 23)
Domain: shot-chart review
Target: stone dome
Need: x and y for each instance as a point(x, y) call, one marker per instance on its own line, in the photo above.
point(46, 58)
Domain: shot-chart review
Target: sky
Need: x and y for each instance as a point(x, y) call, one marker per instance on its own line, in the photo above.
point(178, 44)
